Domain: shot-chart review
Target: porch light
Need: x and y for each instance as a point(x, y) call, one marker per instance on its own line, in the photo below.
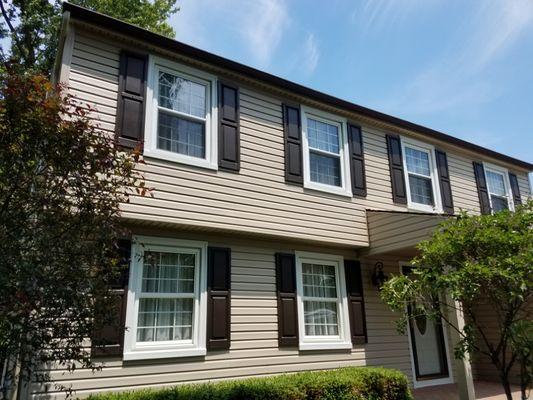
point(378, 276)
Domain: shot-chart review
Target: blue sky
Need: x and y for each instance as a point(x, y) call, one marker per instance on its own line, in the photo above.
point(461, 67)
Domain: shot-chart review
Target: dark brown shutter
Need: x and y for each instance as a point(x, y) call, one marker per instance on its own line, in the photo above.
point(482, 190)
point(397, 177)
point(513, 180)
point(228, 128)
point(218, 298)
point(357, 160)
point(287, 310)
point(293, 144)
point(356, 303)
point(130, 106)
point(108, 338)
point(444, 182)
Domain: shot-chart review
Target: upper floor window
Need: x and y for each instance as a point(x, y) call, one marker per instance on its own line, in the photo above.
point(322, 302)
point(166, 301)
point(499, 188)
point(325, 152)
point(421, 176)
point(181, 114)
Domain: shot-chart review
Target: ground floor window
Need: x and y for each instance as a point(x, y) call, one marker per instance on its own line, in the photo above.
point(322, 303)
point(166, 299)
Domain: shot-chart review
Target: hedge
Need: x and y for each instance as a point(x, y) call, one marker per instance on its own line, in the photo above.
point(353, 383)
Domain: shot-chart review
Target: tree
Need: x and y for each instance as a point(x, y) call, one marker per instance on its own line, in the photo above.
point(33, 25)
point(472, 260)
point(61, 183)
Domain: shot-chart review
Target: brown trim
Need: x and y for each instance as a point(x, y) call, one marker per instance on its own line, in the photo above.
point(356, 302)
point(109, 339)
point(129, 126)
point(116, 25)
point(218, 298)
point(292, 128)
point(357, 160)
point(513, 180)
point(287, 309)
point(397, 177)
point(444, 182)
point(482, 189)
point(229, 157)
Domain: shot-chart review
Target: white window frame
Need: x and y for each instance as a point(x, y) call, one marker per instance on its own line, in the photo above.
point(430, 151)
point(346, 188)
point(341, 341)
point(501, 171)
point(156, 65)
point(196, 346)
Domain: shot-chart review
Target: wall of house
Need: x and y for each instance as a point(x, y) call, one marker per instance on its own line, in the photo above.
point(256, 199)
point(254, 337)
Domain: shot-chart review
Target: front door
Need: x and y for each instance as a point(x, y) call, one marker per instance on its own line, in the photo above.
point(428, 349)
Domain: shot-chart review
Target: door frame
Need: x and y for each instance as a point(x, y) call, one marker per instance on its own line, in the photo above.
point(428, 381)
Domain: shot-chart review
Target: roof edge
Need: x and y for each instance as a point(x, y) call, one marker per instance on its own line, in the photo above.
point(194, 52)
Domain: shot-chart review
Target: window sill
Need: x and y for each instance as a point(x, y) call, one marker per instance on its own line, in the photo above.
point(179, 158)
point(420, 208)
point(149, 354)
point(325, 346)
point(328, 189)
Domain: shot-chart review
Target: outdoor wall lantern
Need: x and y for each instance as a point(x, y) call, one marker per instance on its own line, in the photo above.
point(378, 276)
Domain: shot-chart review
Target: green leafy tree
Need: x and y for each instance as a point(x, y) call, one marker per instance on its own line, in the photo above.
point(472, 260)
point(61, 184)
point(33, 25)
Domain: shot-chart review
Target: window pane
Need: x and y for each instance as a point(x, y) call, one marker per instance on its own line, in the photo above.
point(496, 183)
point(323, 136)
point(499, 203)
point(164, 319)
point(417, 161)
point(182, 136)
point(182, 95)
point(168, 273)
point(421, 191)
point(320, 318)
point(319, 280)
point(325, 169)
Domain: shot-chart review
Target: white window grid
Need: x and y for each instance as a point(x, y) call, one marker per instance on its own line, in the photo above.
point(504, 173)
point(323, 342)
point(156, 66)
point(343, 155)
point(430, 151)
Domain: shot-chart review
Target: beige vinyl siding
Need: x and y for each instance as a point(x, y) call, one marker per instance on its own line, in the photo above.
point(254, 345)
point(256, 200)
point(394, 231)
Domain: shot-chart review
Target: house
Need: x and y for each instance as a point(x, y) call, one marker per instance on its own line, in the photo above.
point(273, 207)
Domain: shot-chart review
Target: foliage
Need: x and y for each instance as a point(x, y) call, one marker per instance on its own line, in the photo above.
point(522, 343)
point(473, 260)
point(341, 384)
point(61, 183)
point(33, 26)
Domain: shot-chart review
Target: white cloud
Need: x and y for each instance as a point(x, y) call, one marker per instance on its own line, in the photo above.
point(257, 26)
point(455, 79)
point(263, 24)
point(308, 60)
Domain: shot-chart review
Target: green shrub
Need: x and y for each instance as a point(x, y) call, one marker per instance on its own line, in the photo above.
point(341, 384)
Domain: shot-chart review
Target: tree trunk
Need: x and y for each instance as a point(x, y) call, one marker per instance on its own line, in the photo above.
point(506, 385)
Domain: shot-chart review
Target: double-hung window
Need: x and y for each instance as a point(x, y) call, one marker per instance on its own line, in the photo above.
point(421, 176)
point(322, 303)
point(181, 114)
point(326, 163)
point(166, 299)
point(499, 188)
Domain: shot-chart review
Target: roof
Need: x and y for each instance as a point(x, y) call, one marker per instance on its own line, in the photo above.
point(124, 28)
